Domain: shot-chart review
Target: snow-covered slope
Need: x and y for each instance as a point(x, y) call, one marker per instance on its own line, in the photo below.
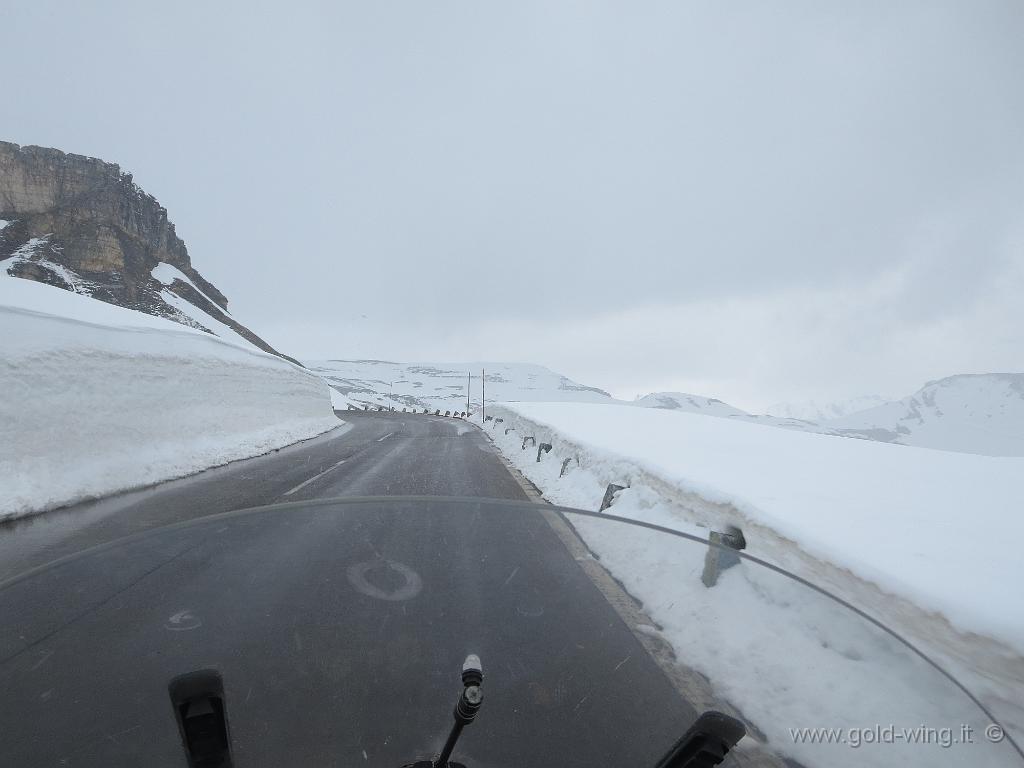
point(95, 398)
point(969, 413)
point(709, 406)
point(681, 401)
point(444, 385)
point(813, 410)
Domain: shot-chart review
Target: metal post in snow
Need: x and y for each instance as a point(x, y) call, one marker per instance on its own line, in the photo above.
point(469, 382)
point(483, 393)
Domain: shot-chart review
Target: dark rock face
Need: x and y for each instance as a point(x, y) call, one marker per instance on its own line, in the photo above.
point(83, 225)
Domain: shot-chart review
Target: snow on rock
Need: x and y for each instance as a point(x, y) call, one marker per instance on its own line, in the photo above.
point(909, 535)
point(97, 399)
point(24, 251)
point(166, 274)
point(204, 320)
point(29, 251)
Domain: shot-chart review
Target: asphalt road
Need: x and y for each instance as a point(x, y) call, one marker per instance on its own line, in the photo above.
point(339, 629)
point(375, 454)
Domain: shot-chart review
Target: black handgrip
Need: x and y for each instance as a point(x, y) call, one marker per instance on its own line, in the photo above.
point(705, 743)
point(198, 701)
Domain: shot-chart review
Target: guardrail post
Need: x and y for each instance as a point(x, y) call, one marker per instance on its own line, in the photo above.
point(719, 558)
point(531, 438)
point(609, 495)
point(565, 465)
point(543, 448)
point(509, 429)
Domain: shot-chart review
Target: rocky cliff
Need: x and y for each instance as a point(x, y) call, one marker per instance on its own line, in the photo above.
point(83, 225)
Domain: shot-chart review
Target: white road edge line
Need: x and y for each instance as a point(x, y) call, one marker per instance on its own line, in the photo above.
point(304, 483)
point(382, 439)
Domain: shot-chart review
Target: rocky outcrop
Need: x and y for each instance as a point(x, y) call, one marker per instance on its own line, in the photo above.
point(84, 225)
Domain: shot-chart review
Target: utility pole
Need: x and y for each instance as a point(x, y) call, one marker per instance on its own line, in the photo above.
point(483, 394)
point(469, 382)
point(391, 395)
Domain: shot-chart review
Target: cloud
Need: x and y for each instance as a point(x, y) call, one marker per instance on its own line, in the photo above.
point(749, 199)
point(789, 344)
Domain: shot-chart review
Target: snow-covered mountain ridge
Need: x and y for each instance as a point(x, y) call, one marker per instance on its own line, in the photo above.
point(979, 413)
point(681, 401)
point(970, 413)
point(814, 410)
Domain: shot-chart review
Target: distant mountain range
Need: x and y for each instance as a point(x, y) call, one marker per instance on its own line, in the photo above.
point(83, 225)
point(972, 413)
point(680, 401)
point(969, 413)
point(816, 411)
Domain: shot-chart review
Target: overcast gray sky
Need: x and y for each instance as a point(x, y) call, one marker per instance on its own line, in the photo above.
point(751, 200)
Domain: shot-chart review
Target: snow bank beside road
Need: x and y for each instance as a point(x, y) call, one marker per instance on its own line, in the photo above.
point(96, 399)
point(918, 522)
point(925, 541)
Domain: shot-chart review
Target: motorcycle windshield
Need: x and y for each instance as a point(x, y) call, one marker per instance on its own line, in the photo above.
point(338, 630)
